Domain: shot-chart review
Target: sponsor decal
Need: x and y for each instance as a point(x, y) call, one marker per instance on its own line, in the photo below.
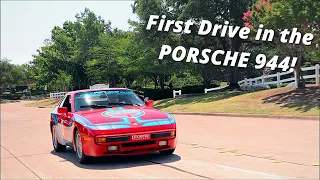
point(140, 137)
point(98, 93)
point(122, 113)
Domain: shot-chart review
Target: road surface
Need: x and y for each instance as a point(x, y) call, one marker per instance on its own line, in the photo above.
point(209, 147)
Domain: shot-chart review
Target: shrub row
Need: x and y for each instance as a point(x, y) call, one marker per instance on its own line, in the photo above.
point(272, 86)
point(158, 94)
point(11, 96)
point(254, 87)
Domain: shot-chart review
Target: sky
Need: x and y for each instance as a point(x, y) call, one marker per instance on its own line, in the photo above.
point(26, 24)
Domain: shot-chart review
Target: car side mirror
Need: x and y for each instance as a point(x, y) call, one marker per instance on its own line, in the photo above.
point(150, 103)
point(63, 110)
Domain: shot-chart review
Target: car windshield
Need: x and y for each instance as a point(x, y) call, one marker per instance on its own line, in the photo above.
point(106, 98)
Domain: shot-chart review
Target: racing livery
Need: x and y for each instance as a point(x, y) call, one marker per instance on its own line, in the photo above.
point(107, 122)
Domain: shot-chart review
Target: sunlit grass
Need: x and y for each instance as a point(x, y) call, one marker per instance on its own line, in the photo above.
point(46, 103)
point(3, 101)
point(282, 101)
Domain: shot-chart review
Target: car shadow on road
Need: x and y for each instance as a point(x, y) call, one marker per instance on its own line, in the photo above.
point(117, 162)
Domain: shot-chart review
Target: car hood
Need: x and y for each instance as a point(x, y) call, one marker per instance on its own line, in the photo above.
point(123, 117)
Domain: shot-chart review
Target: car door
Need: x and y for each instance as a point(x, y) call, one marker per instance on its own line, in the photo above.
point(65, 120)
point(58, 124)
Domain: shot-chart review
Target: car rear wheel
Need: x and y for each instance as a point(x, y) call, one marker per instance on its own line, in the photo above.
point(167, 152)
point(56, 145)
point(81, 157)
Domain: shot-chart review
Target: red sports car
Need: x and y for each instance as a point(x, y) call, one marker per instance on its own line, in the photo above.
point(107, 122)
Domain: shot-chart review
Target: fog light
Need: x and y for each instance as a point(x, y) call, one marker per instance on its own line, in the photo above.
point(112, 148)
point(172, 133)
point(101, 139)
point(163, 143)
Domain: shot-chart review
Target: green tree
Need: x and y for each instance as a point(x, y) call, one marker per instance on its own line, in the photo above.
point(63, 82)
point(279, 15)
point(196, 10)
point(12, 75)
point(152, 40)
point(6, 72)
point(71, 49)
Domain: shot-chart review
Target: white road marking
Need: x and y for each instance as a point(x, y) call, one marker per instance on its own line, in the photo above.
point(272, 176)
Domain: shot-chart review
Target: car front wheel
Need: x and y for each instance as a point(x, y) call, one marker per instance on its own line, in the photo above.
point(81, 157)
point(56, 145)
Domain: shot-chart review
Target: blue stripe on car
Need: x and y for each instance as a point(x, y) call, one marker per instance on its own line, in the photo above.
point(155, 123)
point(119, 126)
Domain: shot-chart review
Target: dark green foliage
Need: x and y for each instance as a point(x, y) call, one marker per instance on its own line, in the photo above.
point(158, 94)
point(15, 96)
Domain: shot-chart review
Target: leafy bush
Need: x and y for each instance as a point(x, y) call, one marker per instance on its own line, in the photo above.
point(37, 92)
point(153, 94)
point(35, 97)
point(185, 80)
point(254, 87)
point(158, 94)
point(11, 96)
point(272, 86)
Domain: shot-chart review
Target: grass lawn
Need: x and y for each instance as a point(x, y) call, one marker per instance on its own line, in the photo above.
point(3, 101)
point(47, 103)
point(282, 101)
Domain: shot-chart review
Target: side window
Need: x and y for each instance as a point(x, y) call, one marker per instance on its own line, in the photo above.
point(62, 101)
point(67, 103)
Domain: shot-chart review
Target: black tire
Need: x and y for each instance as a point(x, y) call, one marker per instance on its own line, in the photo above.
point(81, 157)
point(167, 152)
point(56, 145)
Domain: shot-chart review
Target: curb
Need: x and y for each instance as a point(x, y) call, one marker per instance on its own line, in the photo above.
point(252, 116)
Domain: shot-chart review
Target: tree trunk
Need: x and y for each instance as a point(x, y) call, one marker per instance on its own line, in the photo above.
point(127, 82)
point(155, 82)
point(162, 81)
point(234, 72)
point(299, 76)
point(206, 82)
point(233, 78)
point(113, 79)
point(79, 83)
point(86, 82)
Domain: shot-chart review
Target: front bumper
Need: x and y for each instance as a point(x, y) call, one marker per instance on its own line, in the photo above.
point(130, 147)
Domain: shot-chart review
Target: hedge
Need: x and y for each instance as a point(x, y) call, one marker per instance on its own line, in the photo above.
point(158, 94)
point(272, 86)
point(11, 96)
point(254, 87)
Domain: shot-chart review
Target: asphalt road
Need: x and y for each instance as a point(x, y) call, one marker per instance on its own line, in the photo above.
point(254, 148)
